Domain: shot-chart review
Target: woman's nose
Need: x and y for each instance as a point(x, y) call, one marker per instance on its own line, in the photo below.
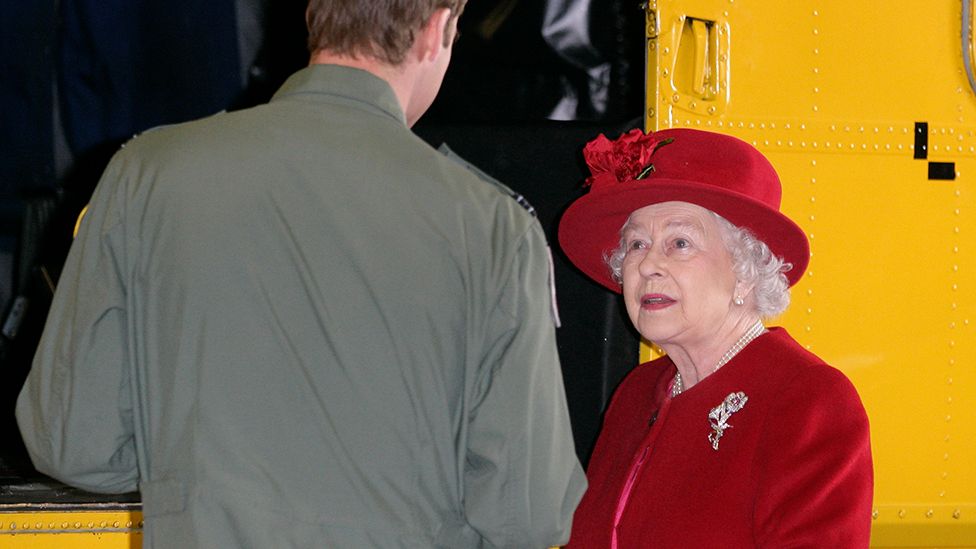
point(652, 264)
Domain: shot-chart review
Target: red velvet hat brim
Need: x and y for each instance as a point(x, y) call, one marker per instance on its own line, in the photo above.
point(590, 227)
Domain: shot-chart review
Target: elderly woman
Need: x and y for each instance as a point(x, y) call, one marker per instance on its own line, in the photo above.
point(738, 436)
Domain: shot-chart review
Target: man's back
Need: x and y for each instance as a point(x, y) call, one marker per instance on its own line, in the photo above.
point(321, 332)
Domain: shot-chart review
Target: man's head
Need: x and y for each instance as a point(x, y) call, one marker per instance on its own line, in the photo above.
point(408, 43)
point(383, 30)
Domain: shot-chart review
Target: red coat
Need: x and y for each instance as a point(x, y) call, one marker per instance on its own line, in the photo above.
point(793, 469)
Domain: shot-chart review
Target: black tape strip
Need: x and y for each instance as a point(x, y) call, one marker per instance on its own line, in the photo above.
point(942, 170)
point(921, 140)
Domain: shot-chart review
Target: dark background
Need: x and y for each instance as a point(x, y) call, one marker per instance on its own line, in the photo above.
point(530, 83)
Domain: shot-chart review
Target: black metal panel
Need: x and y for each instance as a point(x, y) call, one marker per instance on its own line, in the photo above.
point(942, 170)
point(921, 140)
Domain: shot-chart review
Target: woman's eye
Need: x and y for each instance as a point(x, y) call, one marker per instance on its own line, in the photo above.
point(636, 245)
point(681, 243)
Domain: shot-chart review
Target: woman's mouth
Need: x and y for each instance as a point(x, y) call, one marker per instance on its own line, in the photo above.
point(654, 302)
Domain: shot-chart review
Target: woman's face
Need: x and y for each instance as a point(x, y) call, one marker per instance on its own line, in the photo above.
point(678, 283)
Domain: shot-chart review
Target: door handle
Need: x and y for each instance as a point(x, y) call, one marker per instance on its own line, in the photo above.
point(698, 65)
point(688, 64)
point(700, 35)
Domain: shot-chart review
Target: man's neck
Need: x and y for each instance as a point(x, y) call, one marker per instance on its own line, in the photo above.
point(398, 77)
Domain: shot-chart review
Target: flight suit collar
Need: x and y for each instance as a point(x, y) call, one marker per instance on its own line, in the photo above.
point(355, 86)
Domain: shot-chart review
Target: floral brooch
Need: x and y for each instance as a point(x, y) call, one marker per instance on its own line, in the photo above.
point(719, 416)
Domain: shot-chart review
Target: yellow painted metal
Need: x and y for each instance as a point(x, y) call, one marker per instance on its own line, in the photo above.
point(831, 92)
point(118, 529)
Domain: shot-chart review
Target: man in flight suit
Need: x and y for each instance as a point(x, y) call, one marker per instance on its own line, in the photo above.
point(298, 325)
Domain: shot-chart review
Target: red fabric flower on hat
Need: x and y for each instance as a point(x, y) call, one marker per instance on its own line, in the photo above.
point(626, 159)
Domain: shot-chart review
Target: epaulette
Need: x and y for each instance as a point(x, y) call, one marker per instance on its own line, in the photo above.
point(444, 149)
point(162, 126)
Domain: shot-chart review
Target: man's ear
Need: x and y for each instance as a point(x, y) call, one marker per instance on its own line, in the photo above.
point(432, 36)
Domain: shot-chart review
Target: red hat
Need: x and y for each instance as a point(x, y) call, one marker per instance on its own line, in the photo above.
point(715, 171)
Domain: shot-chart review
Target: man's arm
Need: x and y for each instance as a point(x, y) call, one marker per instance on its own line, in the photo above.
point(74, 410)
point(522, 477)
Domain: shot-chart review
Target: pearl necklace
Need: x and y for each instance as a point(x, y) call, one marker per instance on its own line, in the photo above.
point(757, 329)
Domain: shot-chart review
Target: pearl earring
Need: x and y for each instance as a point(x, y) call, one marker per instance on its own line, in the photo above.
point(738, 301)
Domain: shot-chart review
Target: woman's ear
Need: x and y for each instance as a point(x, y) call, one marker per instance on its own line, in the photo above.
point(742, 291)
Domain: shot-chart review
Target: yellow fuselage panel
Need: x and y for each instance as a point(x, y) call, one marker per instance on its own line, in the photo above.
point(835, 94)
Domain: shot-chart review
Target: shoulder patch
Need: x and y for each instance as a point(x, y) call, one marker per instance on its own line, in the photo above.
point(505, 189)
point(78, 221)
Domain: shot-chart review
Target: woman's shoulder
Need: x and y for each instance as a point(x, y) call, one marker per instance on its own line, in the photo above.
point(778, 345)
point(797, 371)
